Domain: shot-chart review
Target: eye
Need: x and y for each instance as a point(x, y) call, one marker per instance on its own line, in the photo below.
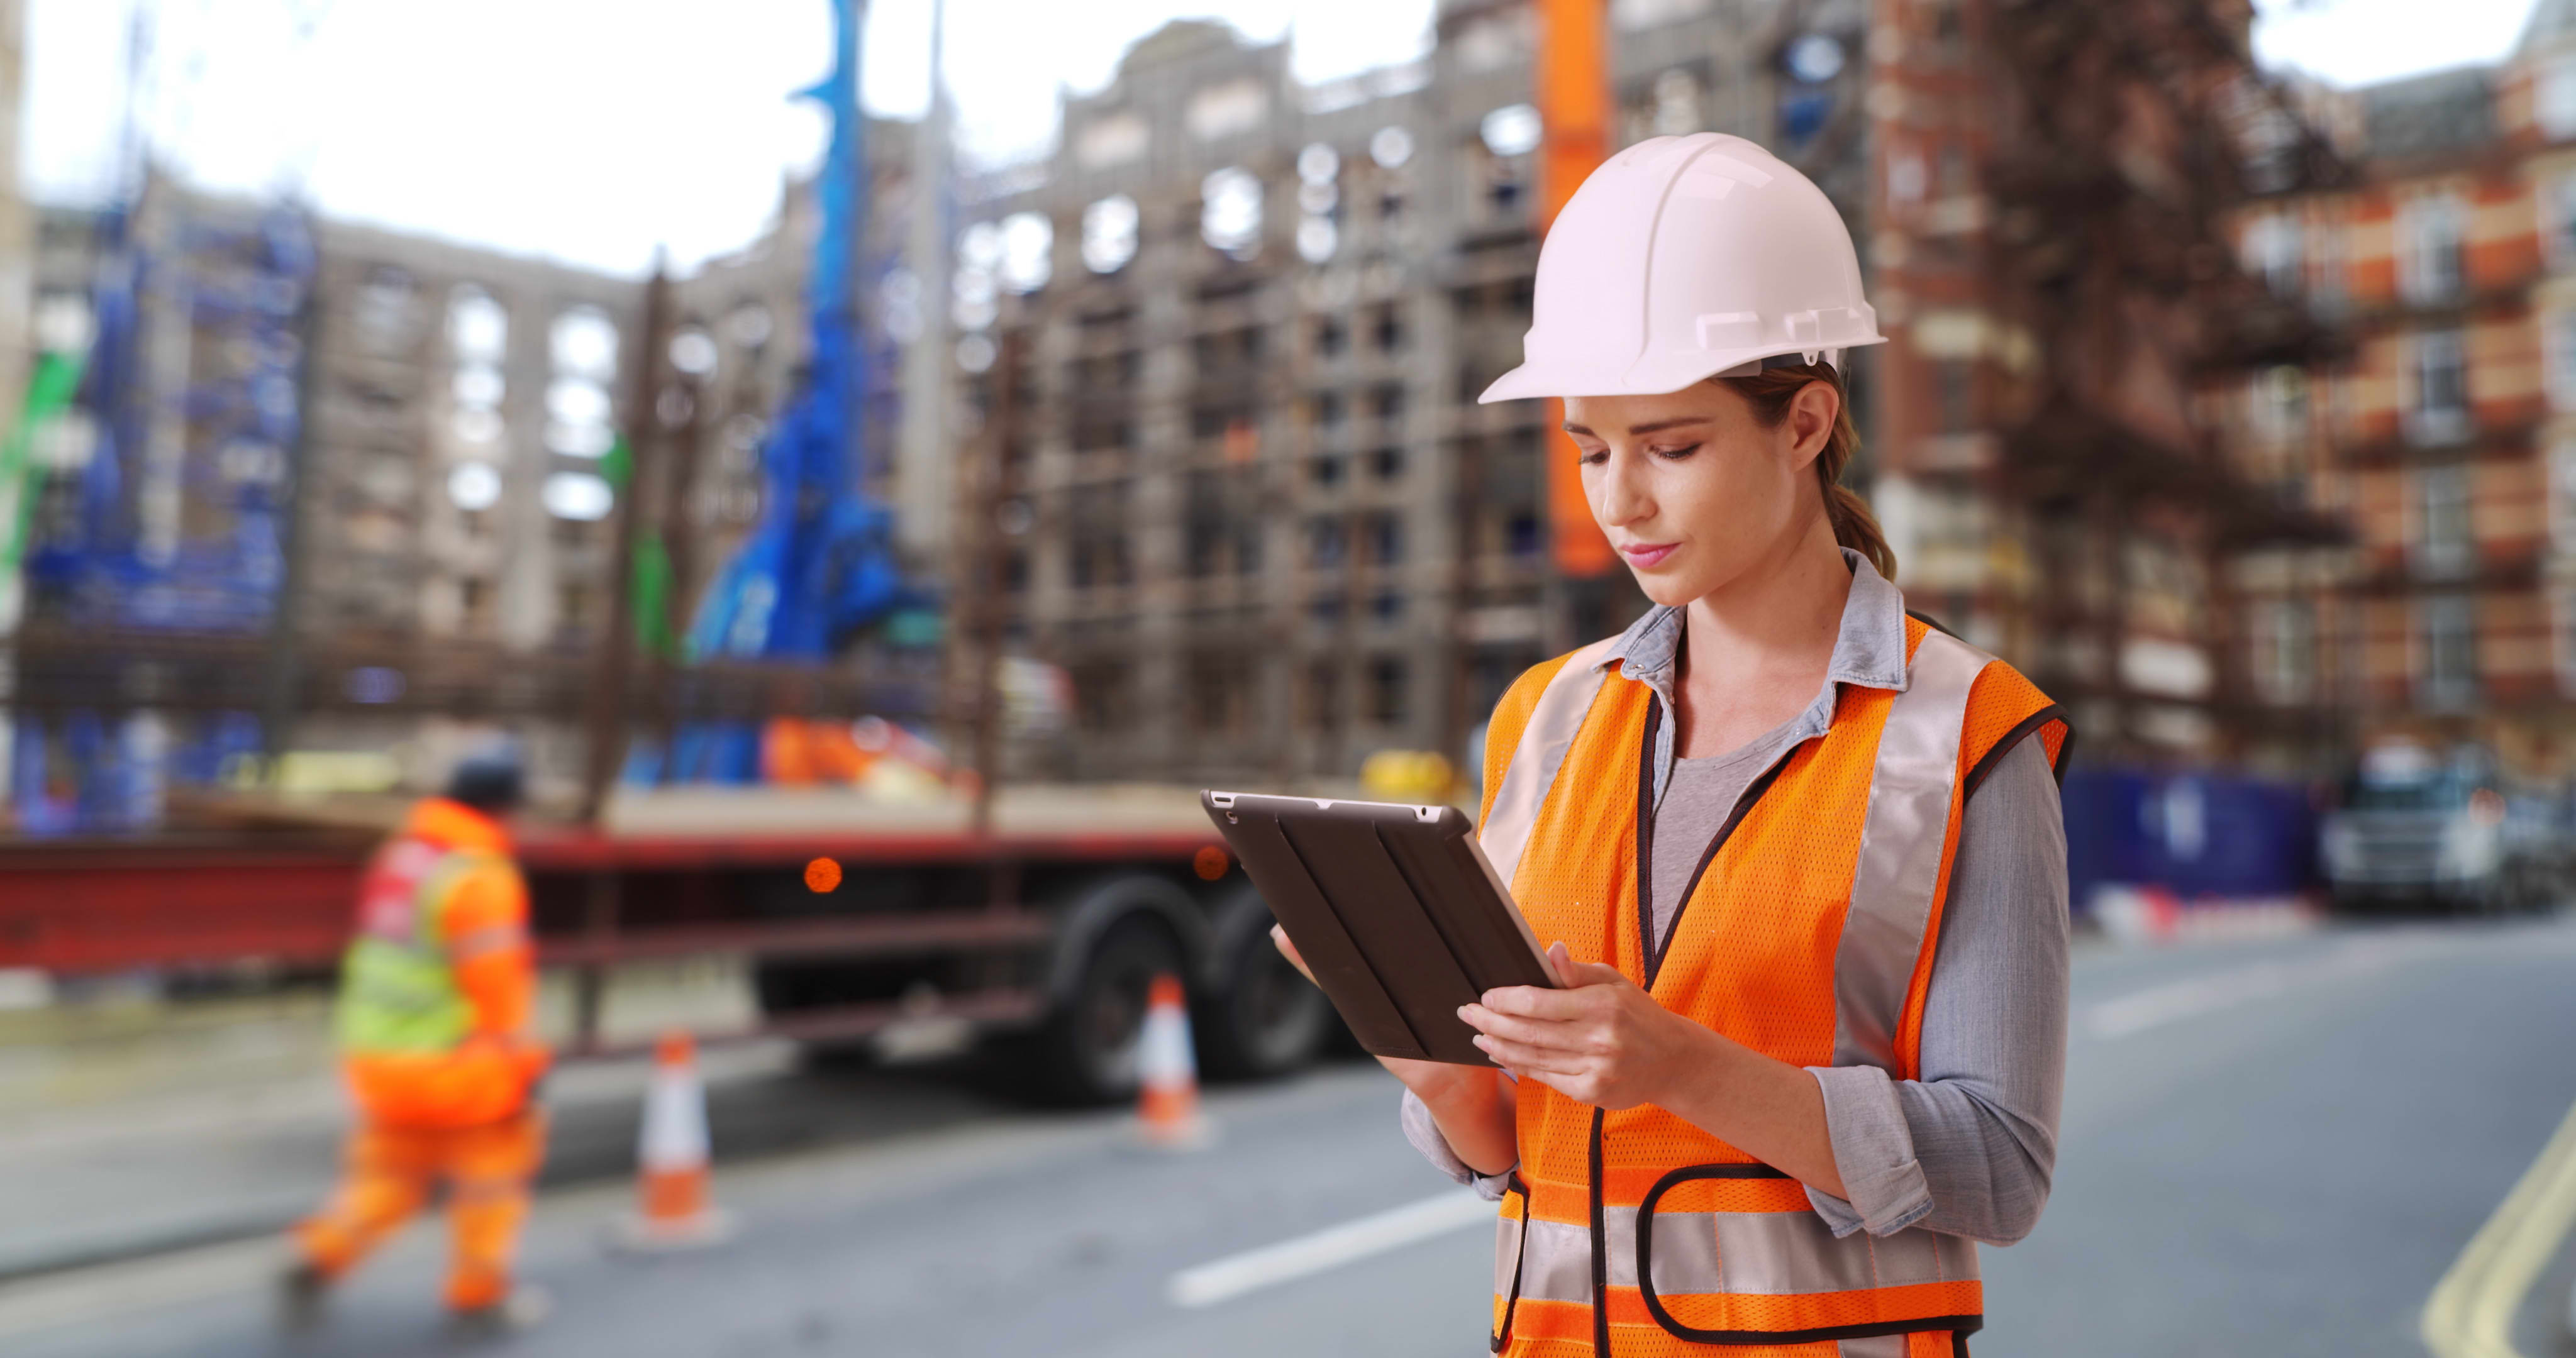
point(1591, 457)
point(1676, 454)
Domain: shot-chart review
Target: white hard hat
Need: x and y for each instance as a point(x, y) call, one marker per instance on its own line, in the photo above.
point(1683, 258)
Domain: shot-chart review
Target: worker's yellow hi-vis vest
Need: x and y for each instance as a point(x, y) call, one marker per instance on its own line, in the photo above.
point(1807, 935)
point(398, 991)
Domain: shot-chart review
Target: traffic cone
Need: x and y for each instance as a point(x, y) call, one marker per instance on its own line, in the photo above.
point(672, 1208)
point(1167, 1109)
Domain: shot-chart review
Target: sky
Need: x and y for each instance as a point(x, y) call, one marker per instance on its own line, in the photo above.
point(595, 131)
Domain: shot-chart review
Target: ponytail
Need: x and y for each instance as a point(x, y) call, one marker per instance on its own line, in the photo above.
point(1770, 394)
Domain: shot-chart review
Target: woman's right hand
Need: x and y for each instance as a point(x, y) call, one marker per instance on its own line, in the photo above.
point(1472, 1104)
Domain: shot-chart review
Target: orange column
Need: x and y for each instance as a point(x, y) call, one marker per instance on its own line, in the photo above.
point(1574, 114)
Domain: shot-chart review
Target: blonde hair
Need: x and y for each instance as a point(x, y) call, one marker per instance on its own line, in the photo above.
point(1770, 393)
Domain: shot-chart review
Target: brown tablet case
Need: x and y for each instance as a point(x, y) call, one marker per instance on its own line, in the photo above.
point(1394, 909)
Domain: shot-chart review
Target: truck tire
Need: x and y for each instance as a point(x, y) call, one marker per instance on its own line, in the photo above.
point(1085, 1053)
point(1257, 1018)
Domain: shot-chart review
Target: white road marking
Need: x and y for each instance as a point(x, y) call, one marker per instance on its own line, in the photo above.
point(1332, 1247)
point(2471, 1311)
point(2195, 996)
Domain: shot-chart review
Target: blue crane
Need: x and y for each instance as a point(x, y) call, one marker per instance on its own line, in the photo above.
point(820, 565)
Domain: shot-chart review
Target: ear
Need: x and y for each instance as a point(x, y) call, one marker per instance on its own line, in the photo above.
point(1813, 412)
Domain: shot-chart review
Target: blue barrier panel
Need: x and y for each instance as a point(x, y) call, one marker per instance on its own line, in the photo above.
point(2194, 834)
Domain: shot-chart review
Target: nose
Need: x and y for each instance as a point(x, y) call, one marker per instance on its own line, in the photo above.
point(1619, 493)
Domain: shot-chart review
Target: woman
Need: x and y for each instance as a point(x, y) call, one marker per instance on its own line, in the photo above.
point(1798, 859)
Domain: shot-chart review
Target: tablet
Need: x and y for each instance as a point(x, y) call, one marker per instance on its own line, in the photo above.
point(1394, 908)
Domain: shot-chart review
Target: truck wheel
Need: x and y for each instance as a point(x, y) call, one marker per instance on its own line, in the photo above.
point(1261, 1018)
point(1086, 1053)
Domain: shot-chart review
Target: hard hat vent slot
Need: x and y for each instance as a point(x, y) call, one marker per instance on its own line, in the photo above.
point(1730, 329)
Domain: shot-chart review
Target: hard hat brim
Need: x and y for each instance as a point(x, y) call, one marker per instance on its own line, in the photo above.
point(1652, 375)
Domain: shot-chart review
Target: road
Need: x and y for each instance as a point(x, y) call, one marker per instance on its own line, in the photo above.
point(2269, 1147)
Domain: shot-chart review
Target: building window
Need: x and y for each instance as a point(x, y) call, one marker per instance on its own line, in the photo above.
point(2285, 650)
point(2562, 496)
point(1331, 337)
point(2558, 227)
point(1388, 332)
point(1387, 463)
point(2280, 401)
point(2558, 349)
point(574, 606)
point(2272, 252)
point(1219, 694)
point(2448, 639)
point(2553, 99)
point(1323, 706)
point(1100, 691)
point(1386, 690)
point(1327, 471)
point(1956, 387)
point(2444, 544)
point(1327, 543)
point(2562, 617)
point(1386, 539)
point(2432, 231)
point(2440, 413)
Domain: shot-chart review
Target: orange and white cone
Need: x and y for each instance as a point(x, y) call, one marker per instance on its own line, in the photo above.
point(672, 1206)
point(1167, 1111)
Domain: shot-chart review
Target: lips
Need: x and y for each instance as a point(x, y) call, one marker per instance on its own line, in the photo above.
point(1644, 556)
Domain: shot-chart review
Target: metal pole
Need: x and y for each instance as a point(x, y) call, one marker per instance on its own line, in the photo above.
point(285, 654)
point(983, 573)
point(606, 742)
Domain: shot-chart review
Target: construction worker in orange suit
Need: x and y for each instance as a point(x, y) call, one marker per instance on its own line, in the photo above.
point(437, 1047)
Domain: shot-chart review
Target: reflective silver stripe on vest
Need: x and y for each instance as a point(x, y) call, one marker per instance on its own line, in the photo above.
point(1900, 849)
point(1769, 1254)
point(1553, 723)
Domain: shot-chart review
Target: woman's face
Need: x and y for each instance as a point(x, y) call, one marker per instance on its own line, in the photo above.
point(1691, 489)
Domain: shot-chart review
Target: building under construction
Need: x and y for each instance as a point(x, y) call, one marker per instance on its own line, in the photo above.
point(1212, 366)
point(1228, 341)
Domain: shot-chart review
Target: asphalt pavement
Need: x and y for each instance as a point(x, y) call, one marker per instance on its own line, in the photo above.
point(2269, 1147)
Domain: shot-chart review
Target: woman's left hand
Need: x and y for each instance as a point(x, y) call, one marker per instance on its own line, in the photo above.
point(1600, 1041)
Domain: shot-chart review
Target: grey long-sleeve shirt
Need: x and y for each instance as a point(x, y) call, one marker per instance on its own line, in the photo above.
point(1968, 1148)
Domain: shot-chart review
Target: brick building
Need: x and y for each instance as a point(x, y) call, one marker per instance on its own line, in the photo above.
point(2048, 215)
point(2447, 437)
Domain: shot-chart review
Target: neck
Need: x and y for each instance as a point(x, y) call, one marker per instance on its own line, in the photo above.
point(1777, 620)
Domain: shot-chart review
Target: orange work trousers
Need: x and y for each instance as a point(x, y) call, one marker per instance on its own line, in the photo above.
point(389, 1174)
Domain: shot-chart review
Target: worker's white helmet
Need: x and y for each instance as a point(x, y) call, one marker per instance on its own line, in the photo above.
point(1683, 258)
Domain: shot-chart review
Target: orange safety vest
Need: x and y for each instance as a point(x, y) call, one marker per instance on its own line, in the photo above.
point(1807, 935)
point(417, 1048)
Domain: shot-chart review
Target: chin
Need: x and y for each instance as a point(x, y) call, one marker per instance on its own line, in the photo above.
point(1664, 587)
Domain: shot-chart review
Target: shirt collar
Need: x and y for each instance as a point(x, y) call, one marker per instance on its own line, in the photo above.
point(1869, 650)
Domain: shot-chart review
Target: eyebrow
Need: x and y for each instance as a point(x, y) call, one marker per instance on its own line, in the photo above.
point(1658, 426)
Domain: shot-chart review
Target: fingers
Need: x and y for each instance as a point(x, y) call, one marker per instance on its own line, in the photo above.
point(1530, 1032)
point(1526, 1060)
point(1523, 1001)
point(1279, 939)
point(1579, 974)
